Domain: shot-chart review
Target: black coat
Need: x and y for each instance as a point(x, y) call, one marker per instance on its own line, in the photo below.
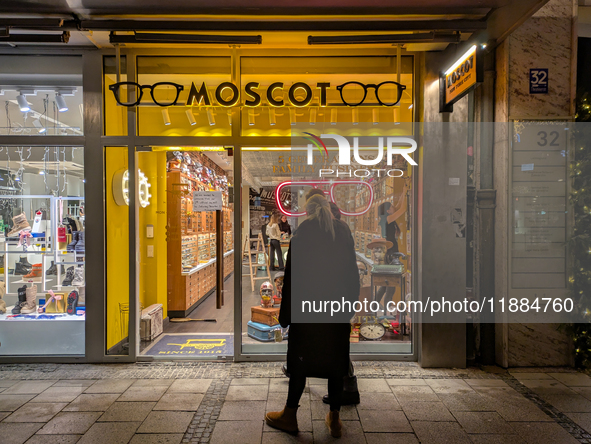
point(321, 269)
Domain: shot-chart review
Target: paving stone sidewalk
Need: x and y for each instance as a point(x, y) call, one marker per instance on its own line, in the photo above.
point(200, 402)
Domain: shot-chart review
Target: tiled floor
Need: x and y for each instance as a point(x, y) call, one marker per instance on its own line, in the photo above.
point(430, 406)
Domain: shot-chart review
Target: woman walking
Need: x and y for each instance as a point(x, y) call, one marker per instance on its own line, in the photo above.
point(274, 234)
point(321, 266)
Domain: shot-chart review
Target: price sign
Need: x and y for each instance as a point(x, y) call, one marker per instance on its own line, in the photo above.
point(538, 81)
point(207, 200)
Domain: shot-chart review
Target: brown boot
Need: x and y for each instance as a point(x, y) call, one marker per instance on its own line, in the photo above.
point(334, 424)
point(285, 420)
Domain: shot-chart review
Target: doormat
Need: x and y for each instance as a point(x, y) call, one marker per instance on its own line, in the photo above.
point(189, 344)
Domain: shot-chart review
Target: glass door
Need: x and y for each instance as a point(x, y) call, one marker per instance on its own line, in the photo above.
point(185, 253)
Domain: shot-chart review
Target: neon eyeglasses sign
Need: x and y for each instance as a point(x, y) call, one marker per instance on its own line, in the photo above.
point(329, 194)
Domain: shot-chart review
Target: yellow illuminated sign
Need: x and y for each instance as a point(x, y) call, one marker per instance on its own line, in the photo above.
point(459, 78)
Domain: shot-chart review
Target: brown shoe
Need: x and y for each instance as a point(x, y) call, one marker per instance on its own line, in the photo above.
point(334, 424)
point(285, 420)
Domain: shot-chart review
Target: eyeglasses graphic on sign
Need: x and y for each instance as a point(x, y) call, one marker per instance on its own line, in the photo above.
point(163, 93)
point(353, 197)
point(387, 93)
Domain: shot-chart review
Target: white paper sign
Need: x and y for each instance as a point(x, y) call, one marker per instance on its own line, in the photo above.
point(207, 200)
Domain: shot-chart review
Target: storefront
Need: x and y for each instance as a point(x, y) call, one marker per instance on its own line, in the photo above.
point(228, 129)
point(173, 157)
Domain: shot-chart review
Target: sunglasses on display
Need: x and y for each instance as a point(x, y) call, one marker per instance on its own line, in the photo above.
point(160, 92)
point(334, 187)
point(387, 93)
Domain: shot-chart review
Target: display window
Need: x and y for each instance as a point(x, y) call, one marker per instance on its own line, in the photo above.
point(190, 283)
point(42, 239)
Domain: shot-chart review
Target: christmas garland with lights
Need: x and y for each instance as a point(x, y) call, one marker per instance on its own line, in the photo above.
point(580, 243)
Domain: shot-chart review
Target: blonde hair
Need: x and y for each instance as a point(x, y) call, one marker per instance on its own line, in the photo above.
point(274, 219)
point(318, 208)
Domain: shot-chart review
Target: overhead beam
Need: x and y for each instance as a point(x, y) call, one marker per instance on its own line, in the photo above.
point(279, 25)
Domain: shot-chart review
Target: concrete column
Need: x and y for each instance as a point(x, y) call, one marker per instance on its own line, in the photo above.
point(546, 40)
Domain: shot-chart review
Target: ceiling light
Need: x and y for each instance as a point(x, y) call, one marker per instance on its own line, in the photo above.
point(313, 116)
point(251, 117)
point(22, 103)
point(292, 116)
point(375, 115)
point(410, 106)
point(210, 117)
point(165, 116)
point(333, 116)
point(272, 117)
point(355, 116)
point(230, 117)
point(191, 117)
point(39, 127)
point(42, 173)
point(61, 103)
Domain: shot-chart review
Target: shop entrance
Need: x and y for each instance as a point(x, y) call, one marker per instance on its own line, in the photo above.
point(185, 252)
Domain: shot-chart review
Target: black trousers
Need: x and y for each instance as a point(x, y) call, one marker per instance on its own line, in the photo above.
point(297, 384)
point(276, 249)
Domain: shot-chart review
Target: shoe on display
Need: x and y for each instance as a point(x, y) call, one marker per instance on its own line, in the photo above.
point(19, 223)
point(72, 302)
point(30, 305)
point(35, 272)
point(78, 280)
point(22, 299)
point(69, 276)
point(20, 269)
point(25, 262)
point(79, 248)
point(52, 271)
point(72, 245)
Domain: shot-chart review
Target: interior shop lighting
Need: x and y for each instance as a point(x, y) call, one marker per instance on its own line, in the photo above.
point(333, 116)
point(375, 116)
point(272, 117)
point(355, 116)
point(251, 117)
point(210, 117)
point(292, 116)
point(62, 106)
point(40, 128)
point(313, 116)
point(230, 117)
point(165, 116)
point(461, 60)
point(41, 173)
point(22, 103)
point(191, 117)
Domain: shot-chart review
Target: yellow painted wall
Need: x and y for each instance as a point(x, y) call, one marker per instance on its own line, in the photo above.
point(153, 270)
point(117, 240)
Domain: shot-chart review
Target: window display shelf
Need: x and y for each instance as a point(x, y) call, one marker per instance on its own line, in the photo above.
point(40, 317)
